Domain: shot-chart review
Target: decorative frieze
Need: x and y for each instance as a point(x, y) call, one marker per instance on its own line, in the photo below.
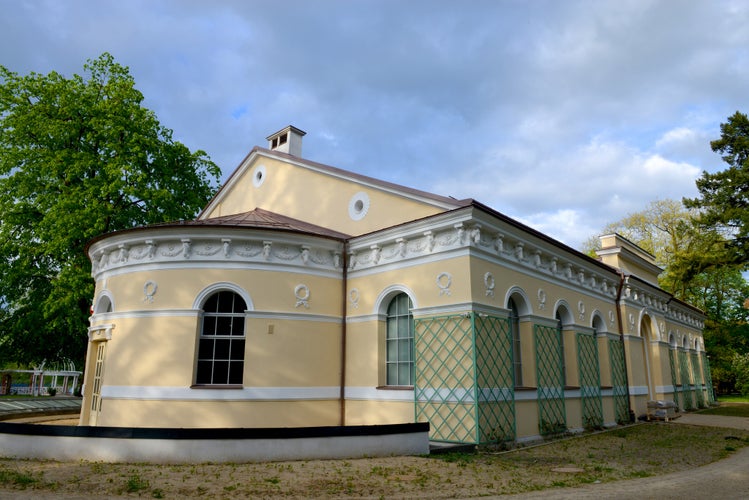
point(111, 255)
point(372, 252)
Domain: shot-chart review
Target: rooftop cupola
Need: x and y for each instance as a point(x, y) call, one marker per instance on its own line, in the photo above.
point(287, 140)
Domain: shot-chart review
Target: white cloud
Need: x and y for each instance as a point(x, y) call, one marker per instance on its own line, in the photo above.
point(572, 112)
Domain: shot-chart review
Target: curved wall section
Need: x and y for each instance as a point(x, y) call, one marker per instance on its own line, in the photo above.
point(171, 445)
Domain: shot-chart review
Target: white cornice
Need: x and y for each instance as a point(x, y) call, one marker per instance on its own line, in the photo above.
point(199, 247)
point(472, 232)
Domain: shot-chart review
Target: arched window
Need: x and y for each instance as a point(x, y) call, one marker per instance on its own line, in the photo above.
point(517, 360)
point(222, 340)
point(400, 341)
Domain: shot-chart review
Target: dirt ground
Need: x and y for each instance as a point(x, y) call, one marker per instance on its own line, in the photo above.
point(636, 451)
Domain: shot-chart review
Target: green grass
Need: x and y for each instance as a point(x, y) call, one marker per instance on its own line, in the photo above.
point(733, 398)
point(728, 410)
point(641, 450)
point(21, 479)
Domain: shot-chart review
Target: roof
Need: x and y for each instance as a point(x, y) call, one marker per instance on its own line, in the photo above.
point(264, 219)
point(446, 202)
point(254, 219)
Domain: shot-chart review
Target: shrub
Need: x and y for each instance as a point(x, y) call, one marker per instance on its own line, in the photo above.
point(740, 364)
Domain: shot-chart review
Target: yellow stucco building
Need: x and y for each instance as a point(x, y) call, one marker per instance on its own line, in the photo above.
point(307, 295)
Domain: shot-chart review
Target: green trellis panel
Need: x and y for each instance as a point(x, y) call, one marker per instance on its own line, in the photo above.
point(685, 380)
point(619, 380)
point(698, 384)
point(464, 381)
point(590, 380)
point(552, 417)
point(675, 380)
point(707, 376)
point(495, 379)
point(444, 377)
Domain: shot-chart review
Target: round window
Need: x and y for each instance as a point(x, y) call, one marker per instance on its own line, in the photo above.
point(358, 206)
point(259, 176)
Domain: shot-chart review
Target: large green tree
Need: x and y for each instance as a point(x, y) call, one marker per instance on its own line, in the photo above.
point(723, 199)
point(79, 157)
point(687, 251)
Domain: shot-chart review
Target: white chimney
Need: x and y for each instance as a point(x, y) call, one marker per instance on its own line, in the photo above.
point(287, 140)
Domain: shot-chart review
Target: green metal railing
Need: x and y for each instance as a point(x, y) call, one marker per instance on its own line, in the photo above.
point(707, 376)
point(675, 380)
point(552, 417)
point(686, 381)
point(495, 379)
point(590, 380)
point(619, 381)
point(444, 377)
point(463, 383)
point(698, 383)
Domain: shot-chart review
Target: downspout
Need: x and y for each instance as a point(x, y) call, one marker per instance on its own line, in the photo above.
point(344, 292)
point(622, 278)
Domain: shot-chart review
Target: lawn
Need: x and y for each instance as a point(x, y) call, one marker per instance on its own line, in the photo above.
point(641, 450)
point(733, 398)
point(729, 409)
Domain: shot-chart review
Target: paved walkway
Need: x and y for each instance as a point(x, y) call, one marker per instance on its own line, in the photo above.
point(724, 479)
point(12, 408)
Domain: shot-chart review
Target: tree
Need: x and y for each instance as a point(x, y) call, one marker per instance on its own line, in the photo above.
point(724, 195)
point(660, 229)
point(687, 252)
point(79, 157)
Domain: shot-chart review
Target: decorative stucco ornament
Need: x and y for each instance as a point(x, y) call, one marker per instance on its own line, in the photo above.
point(149, 290)
point(353, 297)
point(301, 292)
point(489, 283)
point(541, 299)
point(444, 281)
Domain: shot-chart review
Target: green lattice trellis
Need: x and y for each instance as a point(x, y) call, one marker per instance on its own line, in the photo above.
point(444, 372)
point(552, 418)
point(675, 380)
point(619, 381)
point(708, 378)
point(464, 379)
point(685, 380)
point(590, 380)
point(698, 386)
point(495, 379)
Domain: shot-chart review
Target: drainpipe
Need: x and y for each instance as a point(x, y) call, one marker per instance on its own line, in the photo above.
point(344, 292)
point(622, 278)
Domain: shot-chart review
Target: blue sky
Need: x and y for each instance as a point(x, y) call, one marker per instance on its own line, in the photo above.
point(565, 115)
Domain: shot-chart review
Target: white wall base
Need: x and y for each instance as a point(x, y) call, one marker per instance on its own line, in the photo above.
point(186, 450)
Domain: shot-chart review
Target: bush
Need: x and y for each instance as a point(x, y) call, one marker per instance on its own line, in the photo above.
point(51, 391)
point(741, 369)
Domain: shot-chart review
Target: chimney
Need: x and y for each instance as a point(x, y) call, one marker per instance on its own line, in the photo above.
point(287, 140)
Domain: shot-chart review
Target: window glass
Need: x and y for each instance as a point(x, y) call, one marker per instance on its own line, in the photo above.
point(400, 338)
point(221, 345)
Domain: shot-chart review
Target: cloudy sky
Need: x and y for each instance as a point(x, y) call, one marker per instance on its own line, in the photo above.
point(566, 115)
